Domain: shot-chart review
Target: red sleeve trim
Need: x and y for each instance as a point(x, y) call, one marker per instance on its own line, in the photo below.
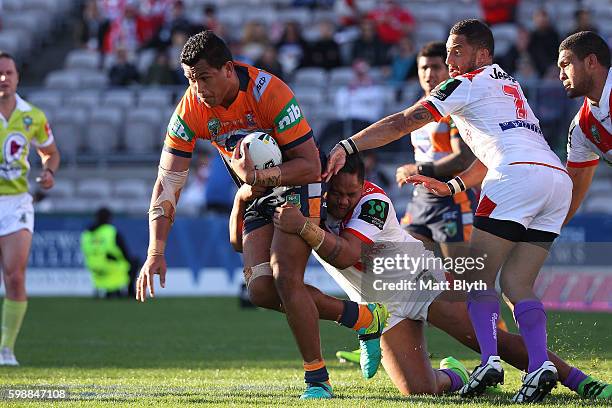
point(579, 165)
point(359, 235)
point(432, 109)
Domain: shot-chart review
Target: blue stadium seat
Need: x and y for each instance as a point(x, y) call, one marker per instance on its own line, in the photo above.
point(104, 129)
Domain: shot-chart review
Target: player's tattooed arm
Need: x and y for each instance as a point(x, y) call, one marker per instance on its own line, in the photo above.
point(271, 177)
point(393, 127)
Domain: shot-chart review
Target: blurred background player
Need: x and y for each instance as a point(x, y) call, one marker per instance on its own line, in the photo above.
point(107, 258)
point(405, 357)
point(439, 152)
point(584, 63)
point(22, 125)
point(525, 196)
point(225, 101)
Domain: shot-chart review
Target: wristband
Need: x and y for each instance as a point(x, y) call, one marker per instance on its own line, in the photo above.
point(456, 185)
point(50, 171)
point(426, 169)
point(312, 234)
point(349, 146)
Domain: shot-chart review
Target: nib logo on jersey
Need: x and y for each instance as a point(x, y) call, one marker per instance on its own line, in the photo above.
point(290, 116)
point(14, 145)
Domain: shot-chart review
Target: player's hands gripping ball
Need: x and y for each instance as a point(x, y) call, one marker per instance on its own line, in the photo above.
point(242, 164)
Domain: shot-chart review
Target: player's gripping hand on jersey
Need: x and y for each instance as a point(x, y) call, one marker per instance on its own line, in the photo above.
point(289, 219)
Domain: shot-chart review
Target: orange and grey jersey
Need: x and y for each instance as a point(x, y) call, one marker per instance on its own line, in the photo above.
point(264, 103)
point(433, 141)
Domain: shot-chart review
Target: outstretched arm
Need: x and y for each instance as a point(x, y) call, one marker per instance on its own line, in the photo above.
point(378, 134)
point(171, 178)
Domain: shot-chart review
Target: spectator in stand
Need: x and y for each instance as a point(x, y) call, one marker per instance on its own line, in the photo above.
point(403, 63)
point(89, 29)
point(160, 72)
point(177, 21)
point(362, 98)
point(368, 46)
point(269, 62)
point(543, 44)
point(291, 47)
point(179, 39)
point(254, 40)
point(123, 72)
point(583, 22)
point(517, 55)
point(499, 11)
point(211, 21)
point(392, 21)
point(130, 30)
point(324, 52)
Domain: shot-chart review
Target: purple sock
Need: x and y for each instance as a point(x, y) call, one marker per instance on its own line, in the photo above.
point(456, 381)
point(483, 308)
point(531, 320)
point(574, 379)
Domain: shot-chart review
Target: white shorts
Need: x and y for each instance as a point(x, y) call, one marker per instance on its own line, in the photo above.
point(16, 213)
point(416, 304)
point(534, 195)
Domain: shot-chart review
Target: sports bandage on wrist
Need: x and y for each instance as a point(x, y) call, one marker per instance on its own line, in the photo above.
point(171, 184)
point(268, 177)
point(312, 234)
point(156, 247)
point(456, 185)
point(349, 146)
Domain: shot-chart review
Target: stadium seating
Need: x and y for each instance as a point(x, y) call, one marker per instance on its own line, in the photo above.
point(104, 129)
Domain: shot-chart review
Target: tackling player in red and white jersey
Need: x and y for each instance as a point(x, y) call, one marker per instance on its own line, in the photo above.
point(584, 63)
point(525, 197)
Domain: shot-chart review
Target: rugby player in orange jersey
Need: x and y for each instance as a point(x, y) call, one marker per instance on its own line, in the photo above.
point(225, 101)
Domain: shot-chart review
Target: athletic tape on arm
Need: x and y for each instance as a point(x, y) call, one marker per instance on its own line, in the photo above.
point(171, 183)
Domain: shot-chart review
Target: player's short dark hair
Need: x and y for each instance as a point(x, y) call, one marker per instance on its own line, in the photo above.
point(206, 46)
point(354, 165)
point(4, 54)
point(585, 43)
point(433, 49)
point(477, 34)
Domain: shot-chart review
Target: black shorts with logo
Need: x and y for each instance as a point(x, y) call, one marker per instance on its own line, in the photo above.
point(308, 198)
point(441, 219)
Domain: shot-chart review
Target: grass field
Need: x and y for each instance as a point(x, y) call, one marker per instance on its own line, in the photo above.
point(207, 351)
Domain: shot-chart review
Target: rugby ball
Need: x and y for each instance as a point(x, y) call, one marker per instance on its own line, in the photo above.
point(263, 149)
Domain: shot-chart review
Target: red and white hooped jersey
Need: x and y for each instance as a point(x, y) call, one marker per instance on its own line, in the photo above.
point(590, 134)
point(494, 119)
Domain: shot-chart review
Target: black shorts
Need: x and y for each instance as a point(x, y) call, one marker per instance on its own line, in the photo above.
point(309, 198)
point(441, 219)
